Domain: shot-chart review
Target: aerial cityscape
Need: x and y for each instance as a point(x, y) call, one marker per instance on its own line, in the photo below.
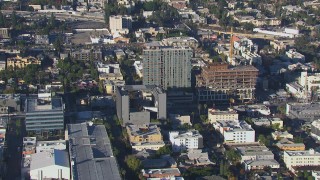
point(160, 90)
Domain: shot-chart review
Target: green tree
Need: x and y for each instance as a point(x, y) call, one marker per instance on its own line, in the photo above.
point(233, 156)
point(133, 163)
point(222, 164)
point(248, 26)
point(281, 109)
point(52, 21)
point(64, 67)
point(164, 150)
point(58, 45)
point(298, 139)
point(14, 19)
point(2, 20)
point(204, 118)
point(198, 127)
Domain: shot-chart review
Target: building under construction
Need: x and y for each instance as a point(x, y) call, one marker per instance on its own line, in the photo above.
point(219, 82)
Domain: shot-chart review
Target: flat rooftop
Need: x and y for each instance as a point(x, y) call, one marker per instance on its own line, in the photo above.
point(148, 88)
point(35, 104)
point(305, 108)
point(218, 112)
point(188, 134)
point(254, 150)
point(168, 171)
point(235, 125)
point(91, 152)
point(143, 130)
point(303, 153)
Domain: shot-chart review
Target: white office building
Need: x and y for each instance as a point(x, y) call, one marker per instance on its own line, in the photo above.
point(235, 131)
point(307, 158)
point(185, 140)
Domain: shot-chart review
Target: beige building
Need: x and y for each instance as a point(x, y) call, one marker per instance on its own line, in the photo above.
point(22, 62)
point(306, 158)
point(144, 133)
point(120, 23)
point(110, 77)
point(288, 145)
point(145, 137)
point(215, 115)
point(110, 85)
point(277, 135)
point(275, 121)
point(4, 33)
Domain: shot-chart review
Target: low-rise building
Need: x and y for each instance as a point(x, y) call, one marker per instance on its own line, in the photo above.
point(163, 162)
point(252, 110)
point(303, 111)
point(235, 131)
point(277, 135)
point(261, 164)
point(87, 54)
point(91, 154)
point(42, 39)
point(307, 158)
point(215, 115)
point(111, 85)
point(145, 137)
point(268, 121)
point(4, 33)
point(22, 62)
point(109, 72)
point(179, 120)
point(48, 146)
point(277, 122)
point(120, 54)
point(108, 68)
point(50, 165)
point(185, 140)
point(148, 146)
point(198, 157)
point(161, 173)
point(28, 148)
point(111, 76)
point(288, 145)
point(315, 129)
point(295, 56)
point(261, 121)
point(254, 153)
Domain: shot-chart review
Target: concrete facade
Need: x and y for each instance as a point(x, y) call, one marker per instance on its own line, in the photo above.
point(185, 140)
point(168, 67)
point(137, 104)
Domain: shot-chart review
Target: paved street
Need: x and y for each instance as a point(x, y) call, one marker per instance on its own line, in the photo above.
point(13, 154)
